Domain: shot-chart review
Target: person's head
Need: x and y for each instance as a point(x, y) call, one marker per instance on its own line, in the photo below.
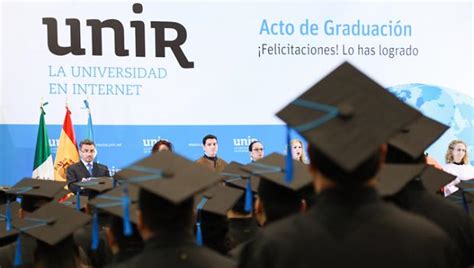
point(162, 145)
point(256, 150)
point(157, 215)
point(69, 257)
point(209, 145)
point(118, 242)
point(457, 153)
point(275, 202)
point(297, 150)
point(87, 150)
point(334, 175)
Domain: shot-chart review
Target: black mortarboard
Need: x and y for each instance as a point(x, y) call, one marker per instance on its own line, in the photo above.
point(347, 116)
point(112, 201)
point(169, 176)
point(234, 176)
point(51, 223)
point(434, 179)
point(414, 138)
point(393, 177)
point(272, 168)
point(37, 188)
point(96, 184)
point(121, 202)
point(217, 200)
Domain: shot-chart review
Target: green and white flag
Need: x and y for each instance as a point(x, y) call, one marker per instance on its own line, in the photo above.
point(43, 167)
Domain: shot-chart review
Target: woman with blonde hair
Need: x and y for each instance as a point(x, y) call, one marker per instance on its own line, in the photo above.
point(457, 161)
point(297, 151)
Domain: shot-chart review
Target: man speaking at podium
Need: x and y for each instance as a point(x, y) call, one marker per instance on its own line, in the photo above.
point(85, 169)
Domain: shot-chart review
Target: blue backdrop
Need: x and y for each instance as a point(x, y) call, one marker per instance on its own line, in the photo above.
point(119, 146)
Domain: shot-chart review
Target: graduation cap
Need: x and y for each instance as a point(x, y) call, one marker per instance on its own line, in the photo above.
point(217, 200)
point(434, 179)
point(121, 202)
point(51, 224)
point(394, 177)
point(112, 201)
point(347, 116)
point(272, 169)
point(96, 185)
point(37, 188)
point(234, 176)
point(169, 176)
point(414, 138)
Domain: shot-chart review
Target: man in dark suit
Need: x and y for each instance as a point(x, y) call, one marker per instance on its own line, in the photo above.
point(86, 168)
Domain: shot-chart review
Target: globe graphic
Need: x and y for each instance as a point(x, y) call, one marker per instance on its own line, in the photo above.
point(447, 106)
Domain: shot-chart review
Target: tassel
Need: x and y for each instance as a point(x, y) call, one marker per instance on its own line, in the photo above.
point(78, 201)
point(127, 226)
point(8, 216)
point(289, 159)
point(248, 197)
point(199, 241)
point(18, 259)
point(95, 231)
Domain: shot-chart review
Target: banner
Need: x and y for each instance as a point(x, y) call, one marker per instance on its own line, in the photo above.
point(183, 70)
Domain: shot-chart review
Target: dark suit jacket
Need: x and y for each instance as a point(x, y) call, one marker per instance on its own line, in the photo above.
point(77, 171)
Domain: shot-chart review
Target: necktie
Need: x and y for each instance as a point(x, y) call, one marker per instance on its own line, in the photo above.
point(89, 168)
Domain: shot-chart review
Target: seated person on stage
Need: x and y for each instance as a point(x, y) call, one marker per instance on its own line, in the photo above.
point(457, 161)
point(86, 168)
point(210, 159)
point(162, 145)
point(256, 151)
point(297, 151)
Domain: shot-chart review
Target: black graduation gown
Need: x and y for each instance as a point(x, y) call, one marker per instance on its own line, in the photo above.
point(28, 247)
point(100, 257)
point(241, 230)
point(351, 228)
point(176, 250)
point(455, 222)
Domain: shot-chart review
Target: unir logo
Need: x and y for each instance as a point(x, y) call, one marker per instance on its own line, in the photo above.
point(97, 26)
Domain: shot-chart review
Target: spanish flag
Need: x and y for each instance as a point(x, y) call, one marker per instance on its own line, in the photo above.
point(67, 153)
